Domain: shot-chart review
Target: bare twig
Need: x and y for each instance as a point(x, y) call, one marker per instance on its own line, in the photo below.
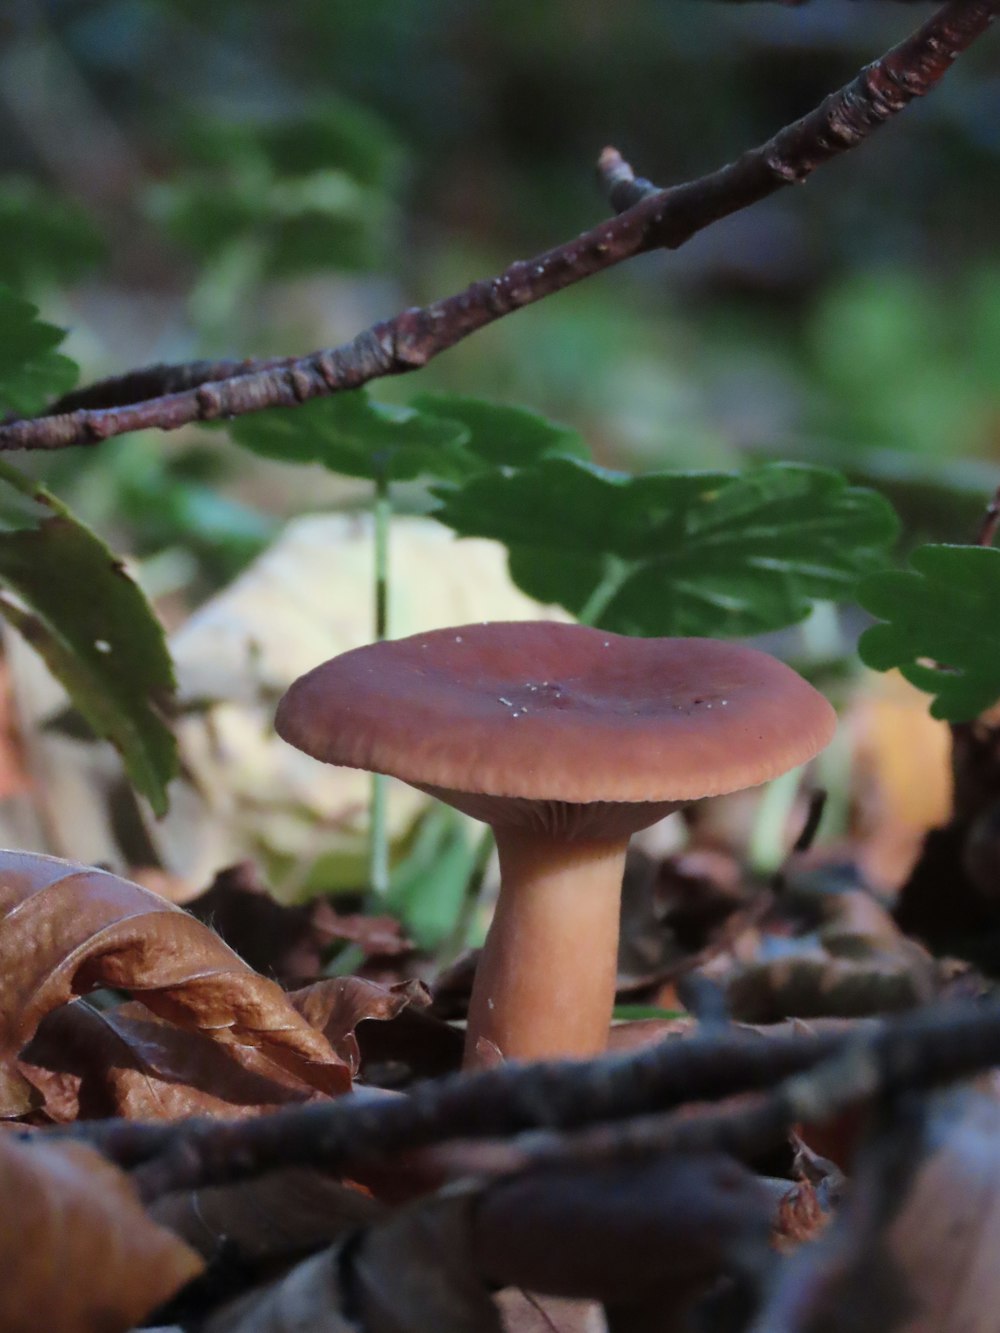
point(170, 397)
point(917, 1050)
point(492, 1104)
point(872, 1062)
point(744, 1127)
point(619, 182)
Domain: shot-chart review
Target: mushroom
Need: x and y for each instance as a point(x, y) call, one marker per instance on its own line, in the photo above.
point(566, 740)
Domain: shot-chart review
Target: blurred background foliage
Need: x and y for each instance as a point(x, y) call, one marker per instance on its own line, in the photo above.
point(181, 180)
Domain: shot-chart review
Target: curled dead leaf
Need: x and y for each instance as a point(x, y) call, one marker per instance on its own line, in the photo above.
point(77, 1252)
point(67, 929)
point(337, 1005)
point(126, 1061)
point(90, 1064)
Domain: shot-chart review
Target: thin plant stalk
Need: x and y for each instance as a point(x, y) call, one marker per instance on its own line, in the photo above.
point(378, 833)
point(458, 936)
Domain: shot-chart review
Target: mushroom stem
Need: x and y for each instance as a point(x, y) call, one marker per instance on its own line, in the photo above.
point(545, 984)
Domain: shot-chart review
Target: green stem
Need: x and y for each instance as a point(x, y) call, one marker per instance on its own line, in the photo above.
point(378, 836)
point(34, 490)
point(382, 511)
point(458, 937)
point(616, 571)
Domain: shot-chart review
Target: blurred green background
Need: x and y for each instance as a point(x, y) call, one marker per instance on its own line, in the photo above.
point(181, 179)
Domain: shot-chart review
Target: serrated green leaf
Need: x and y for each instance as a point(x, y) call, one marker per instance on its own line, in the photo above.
point(350, 433)
point(31, 370)
point(677, 553)
point(942, 626)
point(503, 436)
point(97, 633)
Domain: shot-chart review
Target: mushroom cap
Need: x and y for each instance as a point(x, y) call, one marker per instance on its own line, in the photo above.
point(545, 711)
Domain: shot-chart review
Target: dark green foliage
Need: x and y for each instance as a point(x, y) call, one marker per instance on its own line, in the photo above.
point(352, 434)
point(180, 499)
point(502, 436)
point(80, 610)
point(942, 626)
point(44, 239)
point(448, 437)
point(308, 193)
point(31, 370)
point(74, 602)
point(677, 553)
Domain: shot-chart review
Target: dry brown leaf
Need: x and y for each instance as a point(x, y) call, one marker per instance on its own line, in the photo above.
point(77, 1252)
point(337, 1005)
point(279, 1215)
point(66, 929)
point(90, 1064)
point(914, 1248)
point(801, 1217)
point(412, 1045)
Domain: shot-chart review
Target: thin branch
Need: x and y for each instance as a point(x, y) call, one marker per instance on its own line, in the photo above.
point(491, 1104)
point(870, 1064)
point(816, 1078)
point(169, 398)
point(914, 1051)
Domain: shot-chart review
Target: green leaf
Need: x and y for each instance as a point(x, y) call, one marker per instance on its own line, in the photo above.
point(31, 370)
point(503, 436)
point(350, 433)
point(334, 134)
point(677, 553)
point(629, 1013)
point(97, 633)
point(44, 238)
point(337, 133)
point(308, 193)
point(429, 885)
point(942, 626)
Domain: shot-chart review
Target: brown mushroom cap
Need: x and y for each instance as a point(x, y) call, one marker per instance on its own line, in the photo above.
point(559, 712)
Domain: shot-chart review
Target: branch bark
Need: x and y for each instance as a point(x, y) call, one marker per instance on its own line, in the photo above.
point(622, 1099)
point(167, 397)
